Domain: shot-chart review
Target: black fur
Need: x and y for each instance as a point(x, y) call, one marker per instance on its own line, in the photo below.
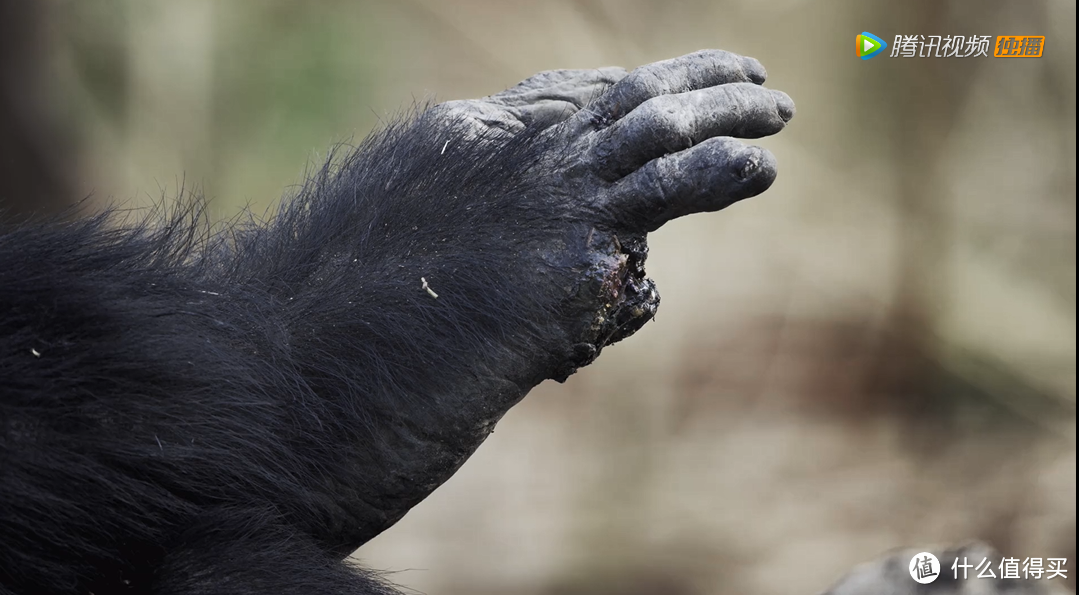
point(192, 412)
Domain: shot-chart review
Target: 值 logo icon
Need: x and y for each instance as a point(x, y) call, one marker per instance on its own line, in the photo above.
point(869, 45)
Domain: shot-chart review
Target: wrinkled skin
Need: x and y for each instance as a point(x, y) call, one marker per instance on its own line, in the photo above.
point(628, 152)
point(647, 147)
point(635, 151)
point(235, 412)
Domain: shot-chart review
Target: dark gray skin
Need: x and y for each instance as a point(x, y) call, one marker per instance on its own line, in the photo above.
point(643, 123)
point(633, 150)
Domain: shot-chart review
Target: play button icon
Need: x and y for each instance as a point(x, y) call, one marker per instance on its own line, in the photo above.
point(869, 45)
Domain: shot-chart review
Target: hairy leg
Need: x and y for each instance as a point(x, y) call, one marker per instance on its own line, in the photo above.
point(242, 554)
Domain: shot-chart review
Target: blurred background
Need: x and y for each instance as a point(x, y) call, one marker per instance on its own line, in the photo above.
point(879, 352)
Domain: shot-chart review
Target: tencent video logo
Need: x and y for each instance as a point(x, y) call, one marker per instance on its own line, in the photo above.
point(869, 45)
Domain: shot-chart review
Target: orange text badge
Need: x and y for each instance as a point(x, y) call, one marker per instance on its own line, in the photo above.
point(1019, 46)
